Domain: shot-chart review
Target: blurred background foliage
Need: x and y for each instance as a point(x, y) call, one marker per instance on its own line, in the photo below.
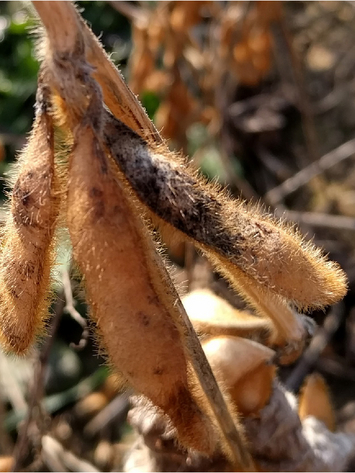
point(254, 92)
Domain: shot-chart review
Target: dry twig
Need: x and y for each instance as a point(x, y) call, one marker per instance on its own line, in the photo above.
point(318, 219)
point(111, 413)
point(275, 195)
point(60, 459)
point(69, 307)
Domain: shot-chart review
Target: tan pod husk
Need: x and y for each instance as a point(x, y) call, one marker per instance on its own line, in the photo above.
point(212, 315)
point(68, 71)
point(245, 368)
point(315, 401)
point(6, 463)
point(266, 251)
point(266, 261)
point(116, 256)
point(28, 246)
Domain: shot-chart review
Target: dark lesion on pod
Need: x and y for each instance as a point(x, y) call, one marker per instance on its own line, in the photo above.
point(30, 196)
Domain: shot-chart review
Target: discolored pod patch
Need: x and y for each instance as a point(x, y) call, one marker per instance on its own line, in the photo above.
point(272, 254)
point(31, 197)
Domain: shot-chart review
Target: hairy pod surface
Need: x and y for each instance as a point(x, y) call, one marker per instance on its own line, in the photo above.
point(28, 248)
point(268, 252)
point(125, 290)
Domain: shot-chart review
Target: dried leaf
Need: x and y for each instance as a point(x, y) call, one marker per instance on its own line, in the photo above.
point(142, 60)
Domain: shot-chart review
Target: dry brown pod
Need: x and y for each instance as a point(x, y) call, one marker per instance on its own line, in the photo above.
point(245, 368)
point(272, 254)
point(143, 341)
point(67, 70)
point(265, 260)
point(28, 237)
point(315, 401)
point(325, 284)
point(206, 201)
point(6, 463)
point(212, 315)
